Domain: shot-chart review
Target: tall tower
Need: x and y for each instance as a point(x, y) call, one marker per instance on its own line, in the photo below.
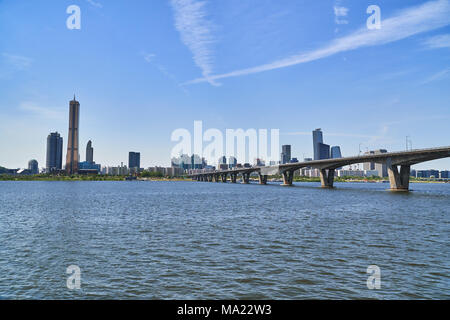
point(285, 154)
point(89, 152)
point(54, 152)
point(134, 160)
point(73, 156)
point(317, 138)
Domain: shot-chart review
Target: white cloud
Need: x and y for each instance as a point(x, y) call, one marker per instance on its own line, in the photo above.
point(443, 74)
point(440, 41)
point(151, 59)
point(148, 56)
point(19, 62)
point(426, 17)
point(196, 33)
point(48, 113)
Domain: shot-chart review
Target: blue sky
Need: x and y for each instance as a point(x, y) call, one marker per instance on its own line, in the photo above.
point(142, 69)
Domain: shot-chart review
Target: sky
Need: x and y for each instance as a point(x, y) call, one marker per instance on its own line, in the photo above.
point(142, 69)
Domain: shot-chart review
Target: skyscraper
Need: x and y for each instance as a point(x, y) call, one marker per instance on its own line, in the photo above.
point(89, 152)
point(134, 160)
point(222, 160)
point(317, 138)
point(73, 156)
point(285, 154)
point(232, 162)
point(54, 152)
point(336, 152)
point(324, 151)
point(33, 166)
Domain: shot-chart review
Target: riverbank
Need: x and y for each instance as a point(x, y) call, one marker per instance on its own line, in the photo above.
point(44, 177)
point(81, 178)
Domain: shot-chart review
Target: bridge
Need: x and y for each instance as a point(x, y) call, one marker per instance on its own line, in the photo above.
point(398, 165)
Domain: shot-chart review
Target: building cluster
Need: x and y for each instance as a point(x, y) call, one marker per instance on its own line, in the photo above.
point(430, 174)
point(73, 165)
point(194, 163)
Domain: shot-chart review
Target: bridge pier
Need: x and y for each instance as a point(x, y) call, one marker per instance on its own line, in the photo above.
point(224, 177)
point(288, 176)
point(216, 177)
point(245, 178)
point(262, 179)
point(210, 178)
point(327, 178)
point(233, 177)
point(399, 180)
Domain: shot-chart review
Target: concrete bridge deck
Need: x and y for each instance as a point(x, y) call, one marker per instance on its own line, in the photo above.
point(398, 165)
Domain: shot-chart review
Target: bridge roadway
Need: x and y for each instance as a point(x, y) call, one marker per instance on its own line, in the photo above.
point(398, 166)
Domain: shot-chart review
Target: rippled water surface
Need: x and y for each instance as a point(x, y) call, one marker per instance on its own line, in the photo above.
point(187, 240)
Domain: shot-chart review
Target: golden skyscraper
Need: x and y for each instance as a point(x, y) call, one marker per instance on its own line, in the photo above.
point(72, 140)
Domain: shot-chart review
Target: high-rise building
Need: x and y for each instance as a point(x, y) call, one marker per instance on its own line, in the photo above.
point(444, 174)
point(89, 152)
point(317, 138)
point(285, 153)
point(324, 151)
point(73, 156)
point(33, 166)
point(222, 160)
point(336, 152)
point(134, 160)
point(54, 152)
point(232, 162)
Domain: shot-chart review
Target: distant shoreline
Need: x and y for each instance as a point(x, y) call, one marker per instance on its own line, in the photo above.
point(155, 179)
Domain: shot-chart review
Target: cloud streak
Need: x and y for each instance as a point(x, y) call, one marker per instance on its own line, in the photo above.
point(443, 74)
point(196, 33)
point(19, 62)
point(426, 17)
point(48, 113)
point(436, 42)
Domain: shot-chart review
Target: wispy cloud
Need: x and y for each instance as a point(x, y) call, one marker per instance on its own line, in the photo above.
point(49, 113)
point(95, 4)
point(443, 74)
point(18, 62)
point(196, 33)
point(426, 17)
point(440, 41)
point(151, 58)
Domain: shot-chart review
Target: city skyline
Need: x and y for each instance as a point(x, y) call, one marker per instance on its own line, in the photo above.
point(365, 98)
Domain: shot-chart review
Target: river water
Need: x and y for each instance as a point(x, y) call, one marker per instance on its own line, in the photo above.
point(199, 240)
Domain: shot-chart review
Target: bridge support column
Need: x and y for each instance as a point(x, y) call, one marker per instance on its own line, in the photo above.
point(210, 178)
point(216, 177)
point(262, 179)
point(233, 177)
point(224, 177)
point(327, 178)
point(399, 181)
point(288, 176)
point(245, 178)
